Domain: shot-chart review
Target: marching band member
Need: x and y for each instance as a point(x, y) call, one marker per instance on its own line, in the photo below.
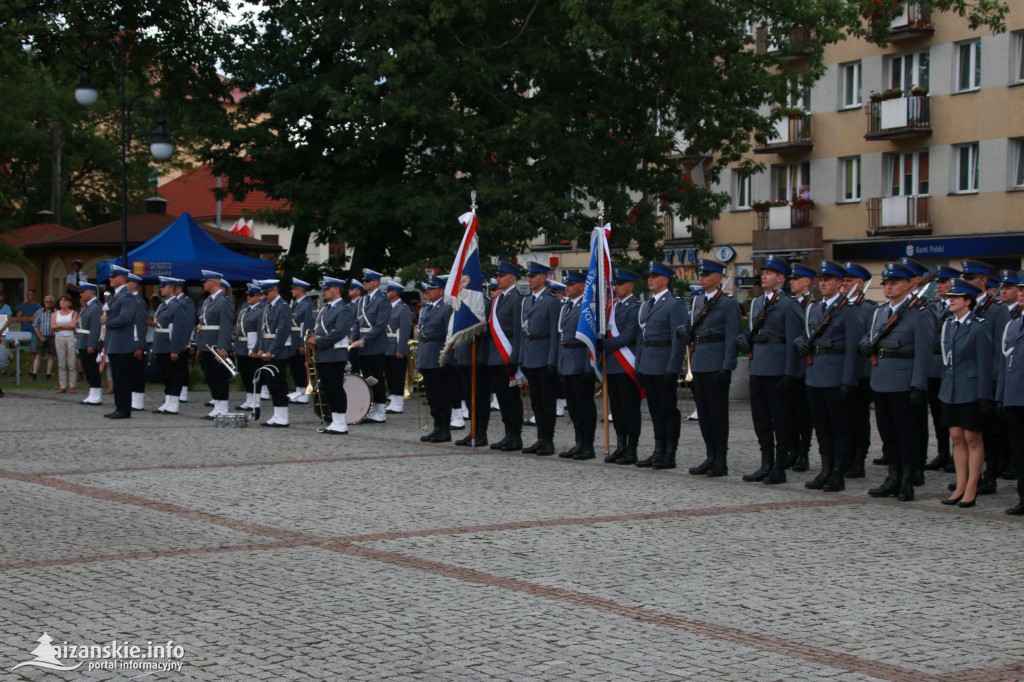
point(1010, 393)
point(538, 355)
point(966, 390)
point(832, 332)
point(576, 371)
point(247, 328)
point(399, 331)
point(987, 307)
point(330, 340)
point(623, 382)
point(215, 331)
point(433, 331)
point(800, 283)
point(302, 310)
point(900, 337)
point(659, 359)
point(174, 319)
point(775, 324)
point(503, 354)
point(120, 341)
point(87, 341)
point(275, 348)
point(355, 291)
point(137, 368)
point(939, 308)
point(711, 329)
point(369, 335)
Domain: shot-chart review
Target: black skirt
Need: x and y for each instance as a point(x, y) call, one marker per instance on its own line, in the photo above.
point(965, 415)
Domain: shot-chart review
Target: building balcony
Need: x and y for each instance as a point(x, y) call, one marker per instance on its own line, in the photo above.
point(911, 21)
point(783, 217)
point(897, 216)
point(797, 47)
point(792, 134)
point(901, 117)
point(678, 230)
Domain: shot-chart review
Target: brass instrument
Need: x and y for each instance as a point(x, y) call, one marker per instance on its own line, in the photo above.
point(689, 369)
point(413, 378)
point(229, 365)
point(313, 382)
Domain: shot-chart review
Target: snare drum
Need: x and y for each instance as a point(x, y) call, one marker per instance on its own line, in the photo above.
point(357, 393)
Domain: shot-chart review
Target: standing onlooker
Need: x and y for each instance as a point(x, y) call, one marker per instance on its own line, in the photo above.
point(4, 310)
point(76, 278)
point(26, 313)
point(42, 335)
point(63, 323)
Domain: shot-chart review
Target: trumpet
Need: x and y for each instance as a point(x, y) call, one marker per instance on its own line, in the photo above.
point(229, 365)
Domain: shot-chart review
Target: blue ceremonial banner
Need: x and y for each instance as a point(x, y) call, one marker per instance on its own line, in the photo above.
point(465, 289)
point(597, 296)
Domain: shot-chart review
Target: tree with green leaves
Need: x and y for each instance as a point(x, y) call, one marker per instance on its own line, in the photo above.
point(375, 120)
point(171, 50)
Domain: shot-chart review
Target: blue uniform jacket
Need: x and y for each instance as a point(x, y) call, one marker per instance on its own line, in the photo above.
point(538, 344)
point(573, 355)
point(331, 328)
point(506, 309)
point(625, 313)
point(303, 315)
point(433, 328)
point(967, 359)
point(215, 323)
point(1010, 387)
point(121, 323)
point(659, 350)
point(714, 342)
point(773, 351)
point(834, 353)
point(399, 328)
point(371, 323)
point(905, 354)
point(89, 327)
point(275, 330)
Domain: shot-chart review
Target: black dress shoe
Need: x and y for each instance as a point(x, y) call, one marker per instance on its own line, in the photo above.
point(530, 449)
point(500, 444)
point(702, 468)
point(108, 415)
point(612, 457)
point(1016, 510)
point(429, 437)
point(546, 448)
point(880, 461)
point(801, 464)
point(835, 483)
point(967, 505)
point(950, 501)
point(442, 436)
point(906, 493)
point(514, 444)
point(467, 441)
point(855, 471)
point(571, 452)
point(480, 442)
point(647, 463)
point(775, 477)
point(757, 475)
point(585, 453)
point(626, 459)
point(717, 470)
point(665, 463)
point(138, 409)
point(819, 481)
point(887, 489)
point(939, 462)
point(120, 415)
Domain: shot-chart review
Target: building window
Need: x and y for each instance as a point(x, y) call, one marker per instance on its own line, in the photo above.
point(908, 70)
point(966, 167)
point(741, 190)
point(1017, 74)
point(968, 66)
point(851, 85)
point(790, 180)
point(1018, 164)
point(908, 174)
point(849, 179)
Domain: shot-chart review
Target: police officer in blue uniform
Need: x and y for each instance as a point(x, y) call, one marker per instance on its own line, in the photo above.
point(987, 307)
point(623, 381)
point(920, 271)
point(433, 331)
point(140, 326)
point(247, 329)
point(303, 310)
point(504, 321)
point(801, 281)
point(464, 362)
point(939, 308)
point(1010, 392)
point(859, 401)
point(275, 343)
point(120, 341)
point(330, 339)
point(775, 324)
point(660, 353)
point(576, 371)
point(174, 320)
point(900, 338)
point(538, 355)
point(966, 391)
point(832, 332)
point(88, 343)
point(398, 334)
point(215, 323)
point(369, 335)
point(711, 331)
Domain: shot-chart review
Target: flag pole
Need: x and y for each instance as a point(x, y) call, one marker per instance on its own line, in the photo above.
point(604, 324)
point(472, 360)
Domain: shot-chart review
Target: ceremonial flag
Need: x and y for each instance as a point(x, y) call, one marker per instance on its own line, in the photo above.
point(597, 295)
point(465, 289)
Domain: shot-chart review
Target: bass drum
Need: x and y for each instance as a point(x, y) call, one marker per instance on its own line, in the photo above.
point(359, 397)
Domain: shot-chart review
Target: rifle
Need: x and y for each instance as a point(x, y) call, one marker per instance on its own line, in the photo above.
point(762, 317)
point(894, 320)
point(826, 320)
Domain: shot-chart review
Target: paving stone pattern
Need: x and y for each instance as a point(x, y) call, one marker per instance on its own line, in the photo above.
point(292, 555)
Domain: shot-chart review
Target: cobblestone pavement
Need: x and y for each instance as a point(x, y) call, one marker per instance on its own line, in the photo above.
point(287, 554)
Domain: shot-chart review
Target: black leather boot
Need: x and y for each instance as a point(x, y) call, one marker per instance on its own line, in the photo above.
point(766, 465)
point(659, 450)
point(613, 456)
point(777, 474)
point(629, 452)
point(837, 481)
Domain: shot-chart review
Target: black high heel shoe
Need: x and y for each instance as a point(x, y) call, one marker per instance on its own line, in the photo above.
point(951, 501)
point(967, 505)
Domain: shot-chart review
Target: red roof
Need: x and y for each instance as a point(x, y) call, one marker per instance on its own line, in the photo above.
point(142, 228)
point(35, 233)
point(192, 192)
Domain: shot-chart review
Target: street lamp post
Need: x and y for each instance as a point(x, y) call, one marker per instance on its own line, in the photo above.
point(160, 145)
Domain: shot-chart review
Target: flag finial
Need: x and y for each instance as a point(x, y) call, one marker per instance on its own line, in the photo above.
point(472, 201)
point(600, 212)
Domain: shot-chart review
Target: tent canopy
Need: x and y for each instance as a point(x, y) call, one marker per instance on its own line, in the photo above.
point(184, 250)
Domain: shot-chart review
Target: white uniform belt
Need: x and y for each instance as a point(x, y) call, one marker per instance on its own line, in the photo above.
point(392, 335)
point(363, 330)
point(296, 329)
point(161, 330)
point(82, 331)
point(209, 327)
